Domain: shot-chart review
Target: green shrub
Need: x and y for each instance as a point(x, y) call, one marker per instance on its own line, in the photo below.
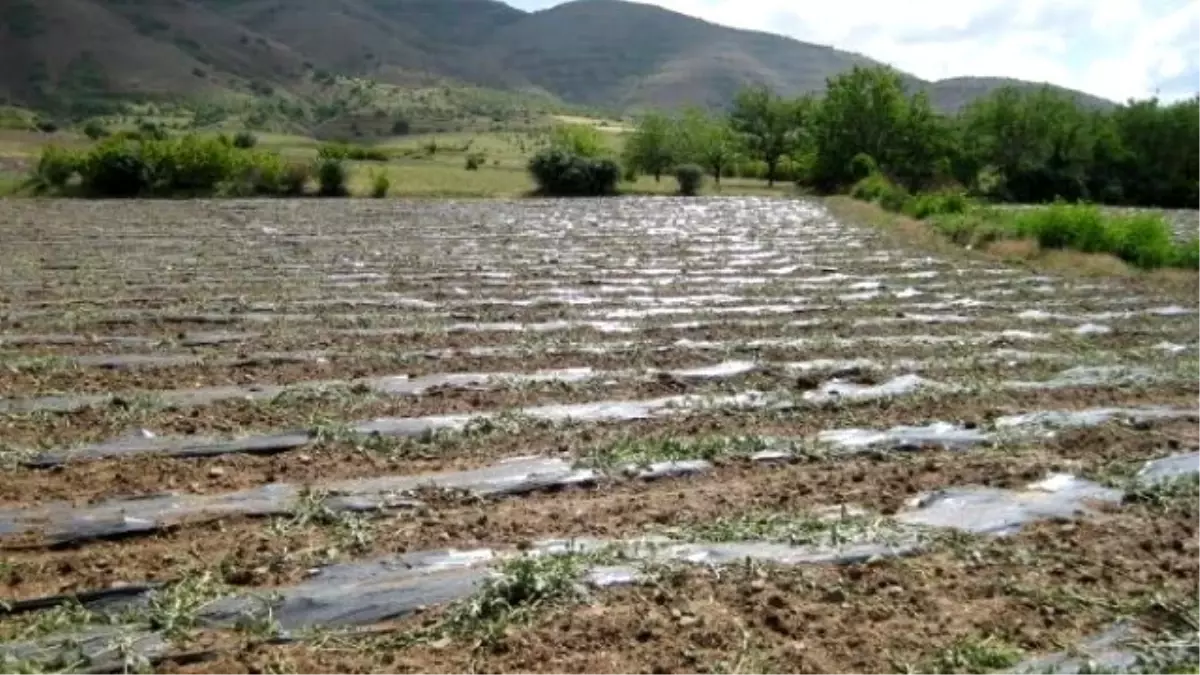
point(872, 188)
point(1187, 255)
point(55, 168)
point(564, 174)
point(895, 200)
point(630, 174)
point(1058, 226)
point(151, 131)
point(94, 130)
point(346, 151)
point(332, 178)
point(380, 184)
point(937, 203)
point(863, 166)
point(1143, 240)
point(295, 179)
point(690, 178)
point(244, 140)
point(578, 139)
point(974, 228)
point(256, 173)
point(114, 168)
point(475, 160)
point(189, 165)
point(184, 166)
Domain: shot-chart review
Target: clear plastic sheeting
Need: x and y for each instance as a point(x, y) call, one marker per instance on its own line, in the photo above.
point(406, 427)
point(1109, 652)
point(103, 649)
point(366, 593)
point(837, 390)
point(1067, 419)
point(1169, 468)
point(62, 522)
point(395, 385)
point(937, 434)
point(994, 511)
point(1093, 376)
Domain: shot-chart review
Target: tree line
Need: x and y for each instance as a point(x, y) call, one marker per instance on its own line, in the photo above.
point(1018, 145)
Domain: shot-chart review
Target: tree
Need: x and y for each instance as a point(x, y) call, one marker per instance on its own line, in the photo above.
point(707, 141)
point(769, 125)
point(652, 147)
point(1037, 142)
point(578, 139)
point(866, 112)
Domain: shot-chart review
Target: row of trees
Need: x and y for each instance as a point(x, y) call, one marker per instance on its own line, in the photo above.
point(1013, 145)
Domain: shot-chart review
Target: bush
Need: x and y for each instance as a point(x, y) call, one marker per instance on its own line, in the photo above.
point(863, 166)
point(578, 139)
point(245, 140)
point(756, 169)
point(190, 165)
point(55, 168)
point(256, 173)
point(295, 179)
point(564, 174)
point(94, 130)
point(1187, 255)
point(475, 160)
point(185, 166)
point(332, 178)
point(114, 168)
point(937, 203)
point(1143, 240)
point(872, 188)
point(151, 131)
point(46, 126)
point(380, 184)
point(690, 178)
point(1064, 226)
point(346, 151)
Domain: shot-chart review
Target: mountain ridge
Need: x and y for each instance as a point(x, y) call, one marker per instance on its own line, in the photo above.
point(609, 54)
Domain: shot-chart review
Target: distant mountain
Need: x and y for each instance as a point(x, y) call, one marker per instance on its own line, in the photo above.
point(609, 54)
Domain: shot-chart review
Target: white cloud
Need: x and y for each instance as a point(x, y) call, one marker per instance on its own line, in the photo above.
point(1112, 48)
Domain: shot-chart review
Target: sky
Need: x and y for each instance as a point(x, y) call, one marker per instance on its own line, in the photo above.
point(1116, 49)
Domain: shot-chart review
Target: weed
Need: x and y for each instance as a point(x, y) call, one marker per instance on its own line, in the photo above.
point(522, 587)
point(353, 532)
point(835, 529)
point(644, 451)
point(174, 609)
point(67, 617)
point(380, 184)
point(975, 654)
point(1174, 495)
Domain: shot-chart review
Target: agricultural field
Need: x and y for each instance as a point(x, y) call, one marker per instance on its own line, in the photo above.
point(622, 435)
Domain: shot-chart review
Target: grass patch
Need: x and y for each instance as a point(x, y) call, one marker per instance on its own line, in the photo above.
point(835, 529)
point(641, 452)
point(975, 654)
point(1143, 240)
point(352, 532)
point(1176, 495)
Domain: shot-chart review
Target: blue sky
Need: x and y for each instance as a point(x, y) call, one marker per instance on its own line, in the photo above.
point(1112, 48)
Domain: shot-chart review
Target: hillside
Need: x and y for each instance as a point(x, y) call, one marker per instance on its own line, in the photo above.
point(608, 54)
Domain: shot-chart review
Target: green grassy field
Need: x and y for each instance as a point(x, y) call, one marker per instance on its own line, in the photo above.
point(421, 165)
